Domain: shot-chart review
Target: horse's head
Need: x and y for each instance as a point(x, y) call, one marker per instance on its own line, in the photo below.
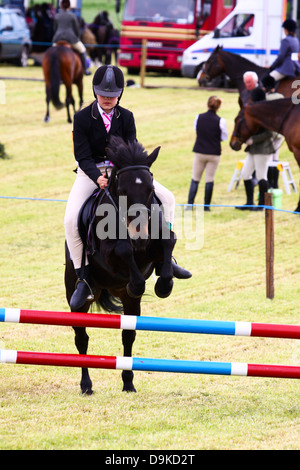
point(213, 67)
point(134, 186)
point(244, 128)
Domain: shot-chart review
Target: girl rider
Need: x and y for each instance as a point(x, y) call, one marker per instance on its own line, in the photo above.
point(92, 127)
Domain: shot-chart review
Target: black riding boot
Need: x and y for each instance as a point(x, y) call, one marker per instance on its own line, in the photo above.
point(263, 188)
point(273, 174)
point(179, 272)
point(192, 194)
point(249, 194)
point(208, 195)
point(83, 291)
point(84, 65)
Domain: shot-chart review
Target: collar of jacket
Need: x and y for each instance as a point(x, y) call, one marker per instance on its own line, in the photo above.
point(95, 111)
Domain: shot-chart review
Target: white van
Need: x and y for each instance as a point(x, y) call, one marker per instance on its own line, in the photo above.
point(252, 30)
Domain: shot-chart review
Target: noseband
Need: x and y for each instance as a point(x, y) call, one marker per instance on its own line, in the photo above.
point(132, 168)
point(242, 120)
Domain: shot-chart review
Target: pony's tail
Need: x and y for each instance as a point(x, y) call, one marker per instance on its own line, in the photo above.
point(108, 302)
point(55, 81)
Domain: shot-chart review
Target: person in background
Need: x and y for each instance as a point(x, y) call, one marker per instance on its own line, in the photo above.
point(211, 130)
point(250, 79)
point(259, 151)
point(269, 85)
point(287, 62)
point(66, 28)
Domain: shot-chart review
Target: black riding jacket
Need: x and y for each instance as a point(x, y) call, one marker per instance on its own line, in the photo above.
point(91, 138)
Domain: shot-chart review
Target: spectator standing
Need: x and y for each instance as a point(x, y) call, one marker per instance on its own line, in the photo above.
point(259, 151)
point(211, 130)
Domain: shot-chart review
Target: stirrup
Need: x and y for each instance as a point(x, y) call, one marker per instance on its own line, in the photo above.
point(91, 294)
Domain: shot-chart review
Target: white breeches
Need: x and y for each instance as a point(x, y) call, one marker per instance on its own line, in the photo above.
point(82, 188)
point(259, 163)
point(277, 75)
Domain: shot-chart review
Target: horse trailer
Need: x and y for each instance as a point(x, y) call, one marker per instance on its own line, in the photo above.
point(252, 30)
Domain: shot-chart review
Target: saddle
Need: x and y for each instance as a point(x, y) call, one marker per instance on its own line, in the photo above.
point(63, 43)
point(86, 218)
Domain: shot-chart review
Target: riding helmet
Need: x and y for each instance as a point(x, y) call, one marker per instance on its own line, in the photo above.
point(108, 81)
point(290, 25)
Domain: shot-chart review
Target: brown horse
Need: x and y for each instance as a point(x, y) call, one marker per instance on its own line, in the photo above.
point(107, 38)
point(281, 116)
point(235, 66)
point(61, 63)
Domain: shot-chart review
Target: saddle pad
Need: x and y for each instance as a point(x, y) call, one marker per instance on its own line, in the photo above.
point(86, 217)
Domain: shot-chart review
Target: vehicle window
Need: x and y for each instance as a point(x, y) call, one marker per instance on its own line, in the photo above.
point(5, 21)
point(175, 11)
point(237, 26)
point(18, 22)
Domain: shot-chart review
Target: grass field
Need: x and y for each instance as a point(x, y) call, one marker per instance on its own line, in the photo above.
point(41, 407)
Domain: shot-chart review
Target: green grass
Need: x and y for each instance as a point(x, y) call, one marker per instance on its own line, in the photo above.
point(41, 407)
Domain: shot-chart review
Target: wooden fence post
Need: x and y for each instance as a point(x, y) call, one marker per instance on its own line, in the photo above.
point(269, 222)
point(143, 61)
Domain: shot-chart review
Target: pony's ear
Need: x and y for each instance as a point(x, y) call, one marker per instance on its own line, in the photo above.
point(153, 156)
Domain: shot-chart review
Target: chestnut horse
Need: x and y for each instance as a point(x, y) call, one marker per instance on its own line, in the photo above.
point(61, 63)
point(281, 116)
point(235, 66)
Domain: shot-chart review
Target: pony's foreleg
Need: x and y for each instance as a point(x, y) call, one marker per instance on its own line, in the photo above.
point(137, 283)
point(164, 283)
point(81, 342)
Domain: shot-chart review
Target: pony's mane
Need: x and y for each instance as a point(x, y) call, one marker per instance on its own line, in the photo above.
point(122, 154)
point(279, 105)
point(242, 61)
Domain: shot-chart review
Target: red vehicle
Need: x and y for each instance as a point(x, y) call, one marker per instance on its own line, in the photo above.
point(169, 26)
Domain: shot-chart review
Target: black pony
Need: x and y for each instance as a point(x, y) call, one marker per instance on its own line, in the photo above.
point(124, 248)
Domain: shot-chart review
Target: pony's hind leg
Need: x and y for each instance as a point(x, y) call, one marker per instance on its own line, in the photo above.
point(128, 337)
point(131, 307)
point(81, 342)
point(48, 98)
point(69, 102)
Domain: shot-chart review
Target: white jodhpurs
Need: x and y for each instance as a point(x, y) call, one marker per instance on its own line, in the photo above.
point(259, 163)
point(82, 188)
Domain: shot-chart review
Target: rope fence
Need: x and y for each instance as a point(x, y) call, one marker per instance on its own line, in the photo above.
point(41, 199)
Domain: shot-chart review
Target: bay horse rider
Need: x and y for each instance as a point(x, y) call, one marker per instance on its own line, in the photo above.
point(66, 28)
point(287, 62)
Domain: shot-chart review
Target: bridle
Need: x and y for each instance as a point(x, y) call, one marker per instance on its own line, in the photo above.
point(214, 59)
point(117, 174)
point(242, 121)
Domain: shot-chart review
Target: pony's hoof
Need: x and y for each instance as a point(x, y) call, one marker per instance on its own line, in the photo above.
point(134, 293)
point(163, 288)
point(129, 388)
point(127, 377)
point(47, 119)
